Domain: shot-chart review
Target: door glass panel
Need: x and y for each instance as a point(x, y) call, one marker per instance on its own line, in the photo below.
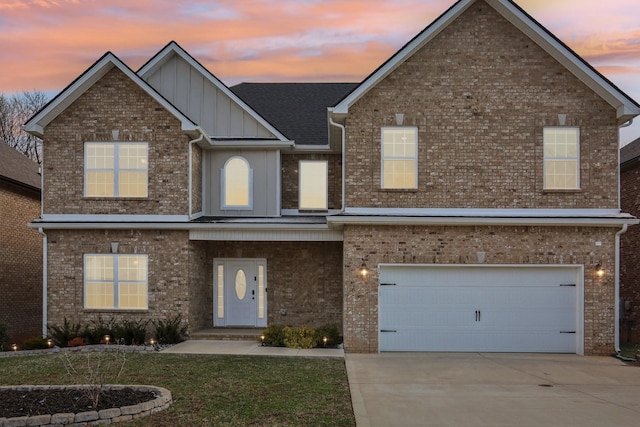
point(241, 284)
point(220, 291)
point(261, 291)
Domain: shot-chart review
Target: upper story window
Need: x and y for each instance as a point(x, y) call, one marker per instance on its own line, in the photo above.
point(399, 157)
point(115, 169)
point(561, 158)
point(237, 184)
point(313, 183)
point(115, 281)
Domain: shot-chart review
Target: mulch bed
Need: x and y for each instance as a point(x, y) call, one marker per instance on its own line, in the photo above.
point(15, 403)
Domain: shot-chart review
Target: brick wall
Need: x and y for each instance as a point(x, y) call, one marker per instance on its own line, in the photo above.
point(459, 245)
point(290, 178)
point(630, 257)
point(303, 278)
point(20, 263)
point(169, 258)
point(480, 94)
point(115, 103)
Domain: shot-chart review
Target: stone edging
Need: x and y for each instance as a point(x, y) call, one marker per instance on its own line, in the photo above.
point(105, 416)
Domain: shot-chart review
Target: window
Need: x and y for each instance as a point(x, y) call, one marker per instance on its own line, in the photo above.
point(115, 169)
point(237, 184)
point(313, 183)
point(561, 158)
point(115, 281)
point(400, 157)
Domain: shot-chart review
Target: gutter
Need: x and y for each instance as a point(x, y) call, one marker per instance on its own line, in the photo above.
point(617, 287)
point(44, 281)
point(344, 166)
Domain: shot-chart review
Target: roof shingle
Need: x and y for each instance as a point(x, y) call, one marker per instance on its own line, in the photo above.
point(18, 168)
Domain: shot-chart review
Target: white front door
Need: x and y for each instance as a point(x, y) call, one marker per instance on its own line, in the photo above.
point(240, 292)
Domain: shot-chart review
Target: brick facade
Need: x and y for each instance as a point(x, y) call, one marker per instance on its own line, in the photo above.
point(458, 245)
point(480, 94)
point(20, 262)
point(290, 178)
point(630, 259)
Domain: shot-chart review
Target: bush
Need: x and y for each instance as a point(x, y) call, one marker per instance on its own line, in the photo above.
point(76, 342)
point(95, 332)
point(302, 337)
point(274, 335)
point(170, 331)
point(132, 333)
point(36, 343)
point(4, 335)
point(331, 333)
point(61, 335)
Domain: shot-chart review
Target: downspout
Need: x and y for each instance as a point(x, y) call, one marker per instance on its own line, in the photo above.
point(617, 285)
point(342, 129)
point(44, 281)
point(193, 141)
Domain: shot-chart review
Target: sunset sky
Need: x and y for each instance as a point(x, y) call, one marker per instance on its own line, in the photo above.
point(45, 44)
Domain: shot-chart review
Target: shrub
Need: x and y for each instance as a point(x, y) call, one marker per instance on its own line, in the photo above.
point(170, 331)
point(61, 335)
point(35, 343)
point(95, 331)
point(302, 337)
point(274, 335)
point(76, 342)
point(4, 335)
point(331, 333)
point(133, 333)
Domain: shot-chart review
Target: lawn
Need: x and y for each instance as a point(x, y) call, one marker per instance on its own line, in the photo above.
point(219, 390)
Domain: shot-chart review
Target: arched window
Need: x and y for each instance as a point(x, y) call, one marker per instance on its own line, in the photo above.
point(237, 184)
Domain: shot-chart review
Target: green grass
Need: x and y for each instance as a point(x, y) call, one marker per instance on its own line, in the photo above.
point(219, 390)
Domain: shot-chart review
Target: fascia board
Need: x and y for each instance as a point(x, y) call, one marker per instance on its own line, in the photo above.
point(70, 94)
point(175, 48)
point(154, 225)
point(253, 144)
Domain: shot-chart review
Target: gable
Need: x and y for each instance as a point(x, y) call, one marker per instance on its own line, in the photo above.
point(204, 98)
point(626, 108)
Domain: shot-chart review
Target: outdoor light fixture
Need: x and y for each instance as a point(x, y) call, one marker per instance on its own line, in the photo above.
point(363, 272)
point(324, 341)
point(599, 270)
point(49, 342)
point(152, 341)
point(262, 339)
point(106, 339)
point(14, 347)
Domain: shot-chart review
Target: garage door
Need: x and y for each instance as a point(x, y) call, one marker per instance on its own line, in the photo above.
point(489, 308)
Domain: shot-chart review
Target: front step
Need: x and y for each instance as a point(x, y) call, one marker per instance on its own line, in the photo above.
point(227, 334)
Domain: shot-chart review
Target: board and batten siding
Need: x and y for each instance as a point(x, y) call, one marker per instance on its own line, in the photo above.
point(204, 103)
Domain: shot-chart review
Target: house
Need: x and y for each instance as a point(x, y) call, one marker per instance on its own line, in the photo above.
point(630, 244)
point(462, 197)
point(20, 246)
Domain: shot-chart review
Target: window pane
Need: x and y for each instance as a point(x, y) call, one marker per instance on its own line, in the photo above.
point(100, 156)
point(99, 184)
point(399, 174)
point(99, 294)
point(132, 156)
point(132, 267)
point(313, 184)
point(236, 181)
point(132, 295)
point(132, 184)
point(241, 285)
point(98, 267)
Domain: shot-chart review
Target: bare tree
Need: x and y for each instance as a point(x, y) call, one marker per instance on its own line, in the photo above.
point(15, 110)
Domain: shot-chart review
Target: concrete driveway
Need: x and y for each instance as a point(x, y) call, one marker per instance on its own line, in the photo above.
point(491, 389)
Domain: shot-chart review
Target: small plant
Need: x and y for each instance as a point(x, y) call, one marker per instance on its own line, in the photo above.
point(302, 337)
point(95, 332)
point(274, 335)
point(76, 342)
point(170, 331)
point(35, 343)
point(61, 335)
point(4, 335)
point(93, 370)
point(331, 333)
point(133, 333)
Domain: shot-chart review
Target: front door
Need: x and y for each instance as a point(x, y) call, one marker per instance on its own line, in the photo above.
point(240, 292)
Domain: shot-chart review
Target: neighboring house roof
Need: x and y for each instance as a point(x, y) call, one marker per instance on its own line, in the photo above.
point(630, 153)
point(18, 168)
point(172, 48)
point(626, 107)
point(299, 110)
point(106, 63)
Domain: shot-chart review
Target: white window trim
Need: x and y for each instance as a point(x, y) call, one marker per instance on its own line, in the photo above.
point(326, 186)
point(116, 168)
point(116, 283)
point(577, 159)
point(223, 184)
point(383, 158)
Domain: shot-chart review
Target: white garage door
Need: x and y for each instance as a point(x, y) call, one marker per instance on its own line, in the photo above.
point(488, 308)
